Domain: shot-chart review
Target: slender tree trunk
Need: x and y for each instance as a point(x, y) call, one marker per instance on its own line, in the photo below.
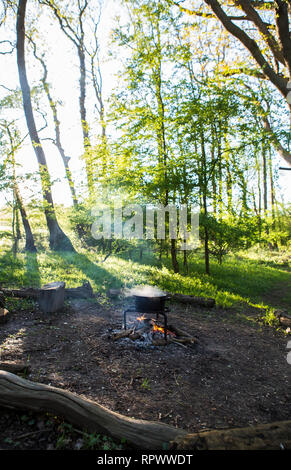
point(57, 140)
point(174, 256)
point(214, 185)
point(228, 176)
point(14, 234)
point(272, 187)
point(58, 240)
point(220, 178)
point(17, 224)
point(265, 176)
point(204, 185)
point(84, 122)
point(29, 240)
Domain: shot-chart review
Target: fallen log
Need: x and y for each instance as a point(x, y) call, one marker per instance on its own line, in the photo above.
point(159, 342)
point(186, 340)
point(84, 291)
point(178, 332)
point(15, 367)
point(122, 334)
point(19, 393)
point(283, 317)
point(192, 300)
point(135, 335)
point(273, 436)
point(114, 292)
point(30, 292)
point(182, 298)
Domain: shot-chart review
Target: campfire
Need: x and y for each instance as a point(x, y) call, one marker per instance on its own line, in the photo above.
point(141, 321)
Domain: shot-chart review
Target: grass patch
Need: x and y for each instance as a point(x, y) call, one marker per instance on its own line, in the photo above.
point(239, 280)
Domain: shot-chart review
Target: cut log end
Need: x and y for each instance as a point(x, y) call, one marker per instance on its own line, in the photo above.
point(51, 297)
point(4, 316)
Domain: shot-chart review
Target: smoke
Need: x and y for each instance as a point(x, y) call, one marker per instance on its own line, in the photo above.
point(144, 291)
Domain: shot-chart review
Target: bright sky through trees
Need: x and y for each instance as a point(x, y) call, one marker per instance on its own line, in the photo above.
point(63, 74)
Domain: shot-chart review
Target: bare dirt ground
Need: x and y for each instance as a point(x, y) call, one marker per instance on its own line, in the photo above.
point(236, 376)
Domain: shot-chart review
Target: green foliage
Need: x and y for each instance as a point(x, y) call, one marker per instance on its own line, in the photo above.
point(146, 384)
point(87, 441)
point(229, 234)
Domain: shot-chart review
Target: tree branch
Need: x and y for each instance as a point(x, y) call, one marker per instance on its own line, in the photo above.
point(282, 22)
point(262, 28)
point(251, 45)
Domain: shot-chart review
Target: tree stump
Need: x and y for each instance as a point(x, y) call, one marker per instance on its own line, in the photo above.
point(4, 315)
point(51, 297)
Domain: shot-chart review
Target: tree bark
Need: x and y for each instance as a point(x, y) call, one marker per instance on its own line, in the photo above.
point(273, 436)
point(29, 240)
point(84, 123)
point(175, 263)
point(18, 393)
point(58, 240)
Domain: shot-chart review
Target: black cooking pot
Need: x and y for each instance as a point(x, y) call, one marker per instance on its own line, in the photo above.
point(150, 304)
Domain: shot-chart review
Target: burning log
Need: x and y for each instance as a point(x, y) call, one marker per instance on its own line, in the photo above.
point(178, 332)
point(152, 330)
point(16, 392)
point(135, 335)
point(283, 317)
point(122, 334)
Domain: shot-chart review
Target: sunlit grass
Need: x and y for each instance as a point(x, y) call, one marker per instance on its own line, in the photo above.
point(239, 280)
point(257, 277)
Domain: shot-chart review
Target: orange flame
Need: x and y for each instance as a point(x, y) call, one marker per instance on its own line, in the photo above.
point(142, 318)
point(161, 330)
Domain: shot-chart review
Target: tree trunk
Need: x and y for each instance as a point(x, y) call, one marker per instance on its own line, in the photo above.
point(203, 184)
point(271, 436)
point(265, 182)
point(174, 256)
point(29, 240)
point(84, 123)
point(57, 141)
point(272, 188)
point(58, 240)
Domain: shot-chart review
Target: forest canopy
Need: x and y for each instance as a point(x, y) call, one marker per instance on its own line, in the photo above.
point(163, 102)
